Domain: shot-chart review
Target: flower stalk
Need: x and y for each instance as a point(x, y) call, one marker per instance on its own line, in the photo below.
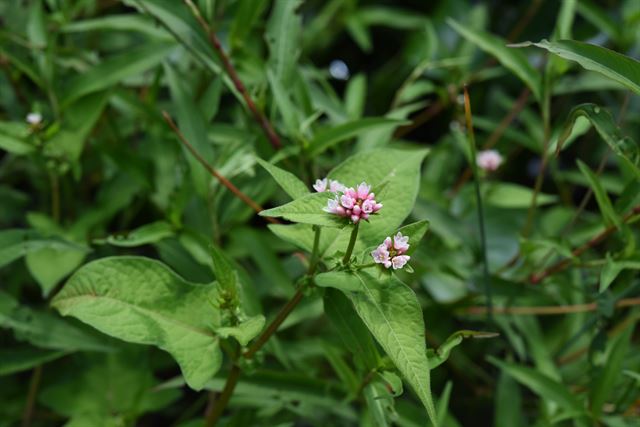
point(352, 243)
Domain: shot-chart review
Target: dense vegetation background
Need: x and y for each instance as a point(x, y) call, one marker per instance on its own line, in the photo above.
point(90, 168)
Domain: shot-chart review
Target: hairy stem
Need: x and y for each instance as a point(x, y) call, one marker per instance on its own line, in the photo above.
point(352, 243)
point(34, 384)
point(551, 310)
point(315, 255)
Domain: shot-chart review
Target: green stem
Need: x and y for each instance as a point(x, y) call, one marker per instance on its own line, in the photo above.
point(483, 237)
point(352, 243)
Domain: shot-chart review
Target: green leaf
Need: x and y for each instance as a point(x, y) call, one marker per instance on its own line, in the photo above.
point(117, 23)
point(604, 203)
point(415, 231)
point(392, 313)
point(512, 196)
point(614, 65)
point(142, 301)
point(14, 145)
point(192, 125)
point(244, 331)
point(512, 59)
point(611, 270)
point(308, 210)
point(224, 271)
point(542, 385)
point(15, 243)
point(508, 402)
point(302, 235)
point(441, 354)
point(340, 280)
point(283, 37)
point(605, 125)
point(50, 265)
point(603, 385)
point(47, 330)
point(113, 70)
point(352, 331)
point(288, 110)
point(245, 18)
point(329, 137)
point(13, 360)
point(149, 233)
point(290, 183)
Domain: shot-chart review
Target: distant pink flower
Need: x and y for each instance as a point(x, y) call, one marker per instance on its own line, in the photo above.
point(325, 184)
point(355, 204)
point(391, 252)
point(489, 160)
point(34, 118)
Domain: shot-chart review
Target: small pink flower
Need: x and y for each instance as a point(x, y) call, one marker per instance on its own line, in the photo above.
point(489, 160)
point(325, 184)
point(390, 253)
point(34, 118)
point(353, 204)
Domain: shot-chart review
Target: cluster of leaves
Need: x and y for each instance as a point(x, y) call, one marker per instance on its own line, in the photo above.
point(135, 272)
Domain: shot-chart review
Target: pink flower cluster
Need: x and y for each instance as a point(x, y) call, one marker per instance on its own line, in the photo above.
point(391, 253)
point(327, 184)
point(355, 204)
point(489, 160)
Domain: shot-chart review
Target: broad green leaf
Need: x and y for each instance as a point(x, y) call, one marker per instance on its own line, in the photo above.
point(14, 360)
point(512, 59)
point(308, 210)
point(604, 203)
point(114, 70)
point(283, 38)
point(349, 327)
point(440, 355)
point(342, 280)
point(605, 125)
point(513, 196)
point(149, 233)
point(327, 138)
point(603, 385)
point(542, 385)
point(142, 301)
point(290, 183)
point(244, 331)
point(50, 265)
point(614, 65)
point(392, 313)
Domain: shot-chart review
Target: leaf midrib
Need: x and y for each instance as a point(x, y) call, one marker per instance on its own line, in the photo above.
point(134, 307)
point(368, 291)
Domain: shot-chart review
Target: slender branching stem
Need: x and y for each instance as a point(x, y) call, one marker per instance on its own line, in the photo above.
point(550, 310)
point(352, 244)
point(34, 384)
point(258, 115)
point(224, 181)
point(315, 253)
point(483, 237)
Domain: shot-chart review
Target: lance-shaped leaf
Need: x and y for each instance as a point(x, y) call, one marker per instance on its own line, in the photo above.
point(441, 354)
point(144, 235)
point(392, 313)
point(510, 58)
point(614, 65)
point(142, 301)
point(604, 203)
point(625, 147)
point(290, 183)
